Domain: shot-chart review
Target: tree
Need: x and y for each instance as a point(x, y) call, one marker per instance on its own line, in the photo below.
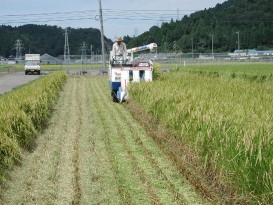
point(223, 21)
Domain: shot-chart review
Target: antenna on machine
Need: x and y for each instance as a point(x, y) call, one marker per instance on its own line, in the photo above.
point(66, 47)
point(18, 47)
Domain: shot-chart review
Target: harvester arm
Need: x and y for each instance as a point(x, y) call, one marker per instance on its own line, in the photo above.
point(152, 47)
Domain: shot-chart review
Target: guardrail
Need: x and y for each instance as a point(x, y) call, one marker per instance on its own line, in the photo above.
point(7, 69)
point(167, 61)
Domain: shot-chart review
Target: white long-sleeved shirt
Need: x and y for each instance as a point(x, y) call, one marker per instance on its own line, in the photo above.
point(119, 50)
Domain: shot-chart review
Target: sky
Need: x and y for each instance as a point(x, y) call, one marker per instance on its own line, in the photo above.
point(121, 18)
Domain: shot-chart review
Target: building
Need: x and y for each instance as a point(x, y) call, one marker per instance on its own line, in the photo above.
point(253, 52)
point(47, 59)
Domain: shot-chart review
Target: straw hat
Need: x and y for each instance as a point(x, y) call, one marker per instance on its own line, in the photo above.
point(118, 39)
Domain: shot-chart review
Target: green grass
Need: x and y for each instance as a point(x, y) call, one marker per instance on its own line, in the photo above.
point(19, 67)
point(227, 121)
point(251, 72)
point(238, 68)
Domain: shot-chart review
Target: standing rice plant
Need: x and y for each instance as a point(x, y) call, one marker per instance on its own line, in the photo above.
point(23, 113)
point(228, 122)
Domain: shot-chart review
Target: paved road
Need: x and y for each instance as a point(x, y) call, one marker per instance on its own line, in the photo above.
point(10, 81)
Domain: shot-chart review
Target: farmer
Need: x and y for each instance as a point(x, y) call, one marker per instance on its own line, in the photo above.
point(119, 50)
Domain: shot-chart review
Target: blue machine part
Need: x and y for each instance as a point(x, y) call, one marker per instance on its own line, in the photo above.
point(142, 48)
point(114, 85)
point(119, 93)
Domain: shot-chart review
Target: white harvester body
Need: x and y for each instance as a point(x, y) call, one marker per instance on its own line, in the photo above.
point(123, 72)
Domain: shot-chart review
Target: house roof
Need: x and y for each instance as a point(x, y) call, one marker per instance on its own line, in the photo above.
point(47, 57)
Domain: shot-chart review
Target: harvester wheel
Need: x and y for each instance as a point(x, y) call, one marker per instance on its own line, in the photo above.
point(114, 96)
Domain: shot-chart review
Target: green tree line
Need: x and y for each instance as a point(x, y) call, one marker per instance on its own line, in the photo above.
point(252, 18)
point(49, 39)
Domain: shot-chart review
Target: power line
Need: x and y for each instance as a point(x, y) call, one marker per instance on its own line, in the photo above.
point(53, 13)
point(109, 14)
point(124, 18)
point(143, 11)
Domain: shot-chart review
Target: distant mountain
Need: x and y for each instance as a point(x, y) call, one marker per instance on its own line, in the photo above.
point(252, 18)
point(49, 39)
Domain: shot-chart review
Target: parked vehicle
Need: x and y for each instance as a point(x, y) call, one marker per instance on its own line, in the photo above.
point(32, 64)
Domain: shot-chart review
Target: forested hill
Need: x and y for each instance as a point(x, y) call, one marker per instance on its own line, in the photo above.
point(252, 18)
point(48, 39)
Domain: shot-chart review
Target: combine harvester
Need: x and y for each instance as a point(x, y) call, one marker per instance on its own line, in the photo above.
point(123, 72)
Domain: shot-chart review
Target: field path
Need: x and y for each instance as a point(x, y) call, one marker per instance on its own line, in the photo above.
point(95, 152)
point(13, 80)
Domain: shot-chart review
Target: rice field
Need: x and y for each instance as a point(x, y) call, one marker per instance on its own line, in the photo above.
point(227, 121)
point(94, 152)
point(23, 113)
point(198, 135)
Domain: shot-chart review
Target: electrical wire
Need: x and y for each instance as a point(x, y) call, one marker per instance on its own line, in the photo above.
point(108, 15)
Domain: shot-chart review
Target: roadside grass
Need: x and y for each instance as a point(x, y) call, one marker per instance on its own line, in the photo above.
point(227, 121)
point(58, 67)
point(23, 113)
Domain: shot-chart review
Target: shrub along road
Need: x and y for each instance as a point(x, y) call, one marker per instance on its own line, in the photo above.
point(94, 152)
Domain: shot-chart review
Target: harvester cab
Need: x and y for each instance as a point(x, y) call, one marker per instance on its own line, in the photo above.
point(125, 70)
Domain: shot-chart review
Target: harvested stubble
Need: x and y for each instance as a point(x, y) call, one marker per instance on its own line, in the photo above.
point(94, 152)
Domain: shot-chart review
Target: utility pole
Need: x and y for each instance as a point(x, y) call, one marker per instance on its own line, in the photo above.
point(136, 32)
point(66, 48)
point(18, 47)
point(91, 51)
point(238, 40)
point(174, 46)
point(212, 47)
point(83, 49)
point(102, 38)
point(192, 48)
point(239, 45)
